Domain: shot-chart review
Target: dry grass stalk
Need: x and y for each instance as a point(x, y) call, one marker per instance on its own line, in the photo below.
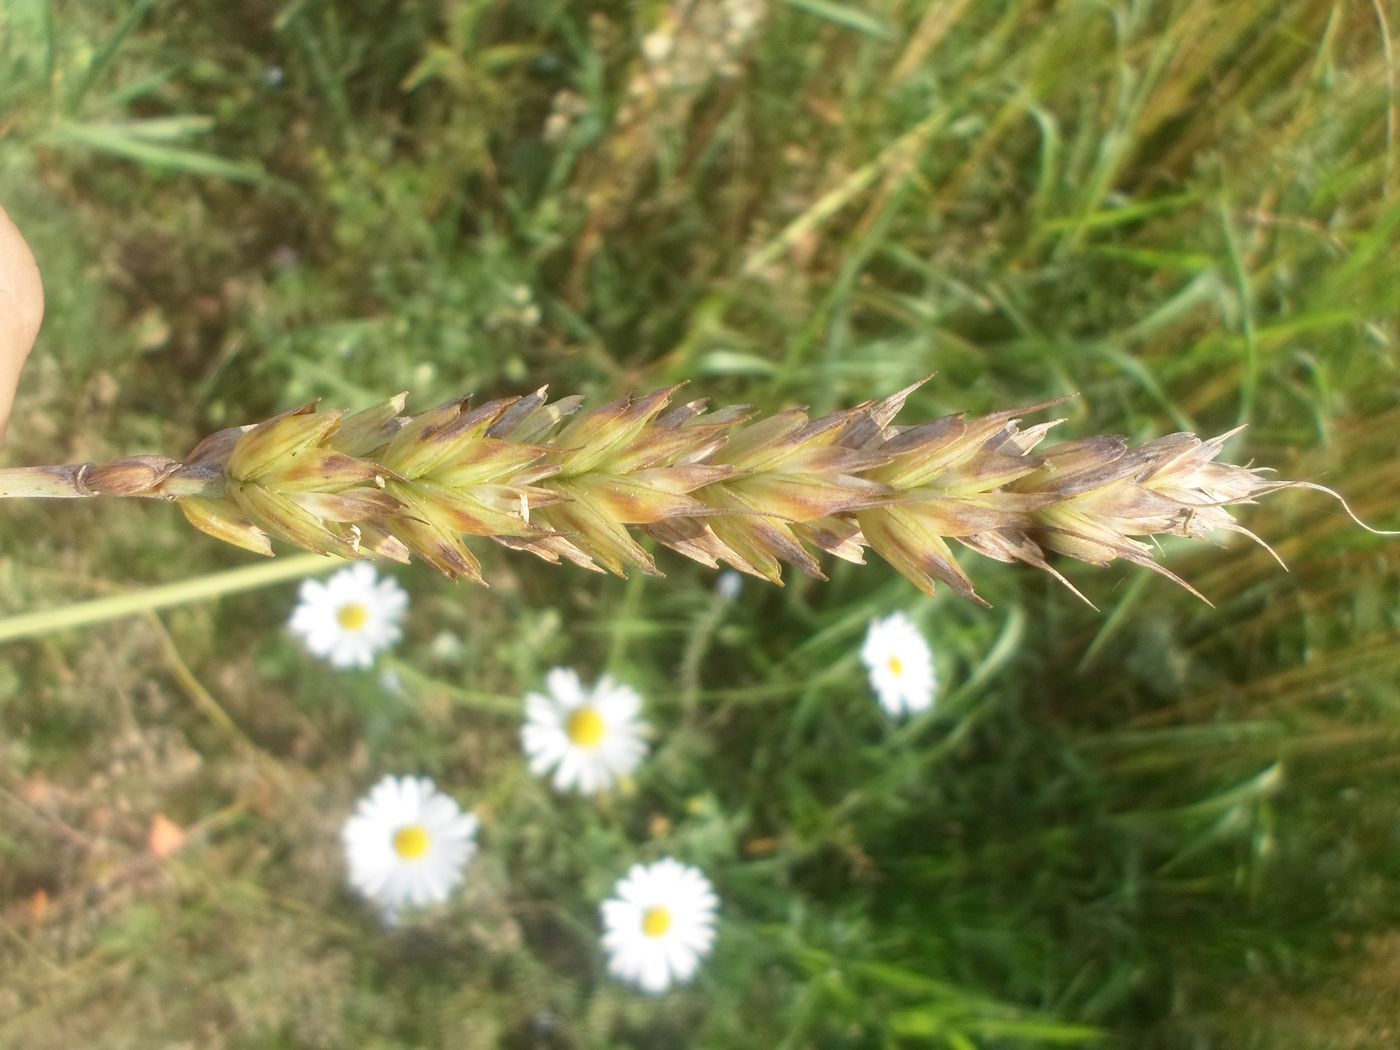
point(720, 487)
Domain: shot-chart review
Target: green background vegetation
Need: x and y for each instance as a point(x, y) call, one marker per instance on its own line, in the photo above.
point(1157, 825)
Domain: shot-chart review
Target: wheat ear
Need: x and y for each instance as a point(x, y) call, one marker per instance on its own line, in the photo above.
point(720, 487)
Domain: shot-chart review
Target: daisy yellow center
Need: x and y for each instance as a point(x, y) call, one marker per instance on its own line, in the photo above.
point(896, 666)
point(353, 616)
point(586, 727)
point(412, 842)
point(656, 921)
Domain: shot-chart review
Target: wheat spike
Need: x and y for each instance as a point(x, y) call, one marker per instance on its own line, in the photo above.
point(717, 486)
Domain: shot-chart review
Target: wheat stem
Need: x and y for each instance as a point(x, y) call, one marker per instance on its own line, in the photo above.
point(138, 476)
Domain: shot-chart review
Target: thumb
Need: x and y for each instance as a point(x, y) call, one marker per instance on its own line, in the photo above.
point(21, 310)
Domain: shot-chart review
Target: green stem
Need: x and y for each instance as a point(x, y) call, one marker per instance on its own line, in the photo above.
point(474, 699)
point(130, 603)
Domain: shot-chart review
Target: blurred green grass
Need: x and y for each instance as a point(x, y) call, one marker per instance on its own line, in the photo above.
point(1162, 825)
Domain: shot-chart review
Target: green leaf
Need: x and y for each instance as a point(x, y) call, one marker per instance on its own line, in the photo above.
point(849, 17)
point(148, 142)
point(103, 58)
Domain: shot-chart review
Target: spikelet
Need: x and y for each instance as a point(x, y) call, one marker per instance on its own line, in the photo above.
point(722, 487)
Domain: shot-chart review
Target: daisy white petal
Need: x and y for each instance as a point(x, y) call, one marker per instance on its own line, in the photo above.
point(729, 585)
point(900, 664)
point(584, 739)
point(658, 924)
point(351, 617)
point(407, 844)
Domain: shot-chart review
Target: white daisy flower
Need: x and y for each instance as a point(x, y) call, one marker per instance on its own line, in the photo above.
point(407, 844)
point(900, 664)
point(659, 924)
point(729, 585)
point(589, 737)
point(350, 617)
